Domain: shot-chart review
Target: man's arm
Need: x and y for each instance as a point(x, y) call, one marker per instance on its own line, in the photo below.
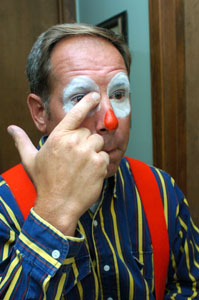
point(68, 173)
point(35, 258)
point(70, 160)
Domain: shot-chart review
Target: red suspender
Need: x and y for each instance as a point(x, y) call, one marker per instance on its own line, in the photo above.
point(21, 187)
point(25, 195)
point(153, 208)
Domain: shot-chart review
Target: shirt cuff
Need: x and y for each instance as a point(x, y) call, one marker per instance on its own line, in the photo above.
point(43, 245)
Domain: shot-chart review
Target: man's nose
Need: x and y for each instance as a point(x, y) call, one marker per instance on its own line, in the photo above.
point(106, 118)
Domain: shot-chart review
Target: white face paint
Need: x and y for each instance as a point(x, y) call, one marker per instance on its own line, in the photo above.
point(76, 90)
point(118, 92)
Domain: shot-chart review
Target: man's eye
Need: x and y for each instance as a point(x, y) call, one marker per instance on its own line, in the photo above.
point(77, 98)
point(119, 95)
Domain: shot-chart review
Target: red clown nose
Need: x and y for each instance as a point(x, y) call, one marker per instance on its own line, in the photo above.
point(110, 120)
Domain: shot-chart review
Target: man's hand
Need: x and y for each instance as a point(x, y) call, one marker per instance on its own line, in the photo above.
point(69, 169)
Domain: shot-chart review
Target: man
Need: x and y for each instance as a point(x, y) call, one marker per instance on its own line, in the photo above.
point(87, 236)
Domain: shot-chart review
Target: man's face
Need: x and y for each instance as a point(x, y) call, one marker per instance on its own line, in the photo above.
point(88, 64)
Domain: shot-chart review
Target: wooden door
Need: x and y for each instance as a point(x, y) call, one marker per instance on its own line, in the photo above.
point(21, 22)
point(175, 92)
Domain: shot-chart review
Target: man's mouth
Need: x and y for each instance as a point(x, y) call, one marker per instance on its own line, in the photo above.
point(109, 151)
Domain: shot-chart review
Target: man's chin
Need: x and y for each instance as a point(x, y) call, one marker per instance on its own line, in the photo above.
point(115, 157)
point(112, 169)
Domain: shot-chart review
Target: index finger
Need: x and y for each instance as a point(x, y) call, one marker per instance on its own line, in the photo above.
point(79, 112)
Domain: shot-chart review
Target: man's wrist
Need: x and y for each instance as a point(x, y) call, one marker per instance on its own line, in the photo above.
point(65, 224)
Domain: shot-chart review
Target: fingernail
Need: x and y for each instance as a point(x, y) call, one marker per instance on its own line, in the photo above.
point(10, 130)
point(95, 96)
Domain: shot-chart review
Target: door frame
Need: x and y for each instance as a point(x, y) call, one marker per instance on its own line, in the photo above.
point(167, 45)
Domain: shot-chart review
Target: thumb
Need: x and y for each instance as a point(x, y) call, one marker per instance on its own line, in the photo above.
point(25, 147)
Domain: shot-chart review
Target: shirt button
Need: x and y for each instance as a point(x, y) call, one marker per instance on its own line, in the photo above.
point(106, 268)
point(55, 254)
point(95, 223)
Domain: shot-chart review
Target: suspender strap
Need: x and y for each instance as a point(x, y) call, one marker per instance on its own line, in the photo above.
point(153, 208)
point(21, 187)
point(25, 195)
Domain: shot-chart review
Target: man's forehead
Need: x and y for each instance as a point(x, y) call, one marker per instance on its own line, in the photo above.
point(84, 40)
point(86, 56)
point(86, 46)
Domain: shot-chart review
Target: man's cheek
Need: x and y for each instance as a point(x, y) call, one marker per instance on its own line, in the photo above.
point(122, 109)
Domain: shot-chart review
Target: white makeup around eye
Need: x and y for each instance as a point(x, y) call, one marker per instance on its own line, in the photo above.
point(78, 86)
point(120, 82)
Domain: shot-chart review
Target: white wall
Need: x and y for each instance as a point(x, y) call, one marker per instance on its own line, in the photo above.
point(96, 11)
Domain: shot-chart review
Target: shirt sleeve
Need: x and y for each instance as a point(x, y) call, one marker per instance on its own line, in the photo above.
point(183, 275)
point(35, 258)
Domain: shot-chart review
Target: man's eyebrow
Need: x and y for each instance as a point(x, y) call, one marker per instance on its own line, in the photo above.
point(119, 80)
point(79, 84)
point(119, 84)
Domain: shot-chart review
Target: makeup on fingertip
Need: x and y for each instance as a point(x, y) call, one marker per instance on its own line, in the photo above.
point(95, 96)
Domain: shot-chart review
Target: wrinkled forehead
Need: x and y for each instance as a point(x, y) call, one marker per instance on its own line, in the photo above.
point(86, 53)
point(82, 83)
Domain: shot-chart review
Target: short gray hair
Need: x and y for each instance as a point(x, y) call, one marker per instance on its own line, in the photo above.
point(38, 66)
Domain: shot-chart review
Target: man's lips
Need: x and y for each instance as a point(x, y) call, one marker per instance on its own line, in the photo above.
point(109, 151)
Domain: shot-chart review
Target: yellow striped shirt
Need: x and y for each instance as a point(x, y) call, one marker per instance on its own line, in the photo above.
point(111, 256)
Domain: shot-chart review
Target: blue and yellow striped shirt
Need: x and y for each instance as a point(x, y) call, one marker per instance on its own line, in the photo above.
point(111, 256)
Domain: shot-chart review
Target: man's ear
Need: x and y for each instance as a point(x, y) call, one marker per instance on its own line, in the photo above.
point(37, 112)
